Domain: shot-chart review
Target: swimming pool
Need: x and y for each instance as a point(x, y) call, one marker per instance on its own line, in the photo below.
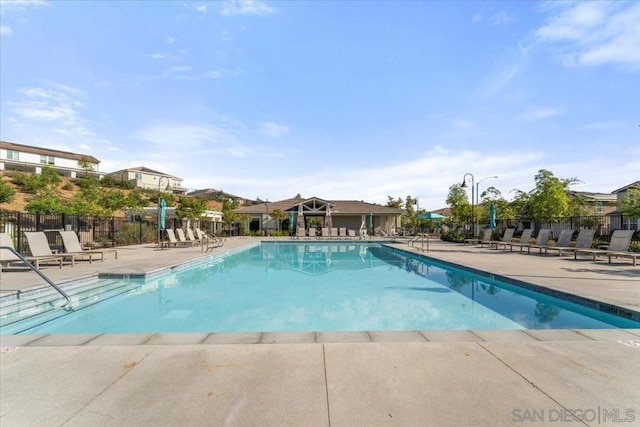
point(320, 286)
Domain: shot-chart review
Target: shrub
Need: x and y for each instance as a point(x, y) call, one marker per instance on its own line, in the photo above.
point(68, 186)
point(7, 194)
point(452, 236)
point(129, 234)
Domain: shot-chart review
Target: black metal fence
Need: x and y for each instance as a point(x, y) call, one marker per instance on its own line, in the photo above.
point(92, 231)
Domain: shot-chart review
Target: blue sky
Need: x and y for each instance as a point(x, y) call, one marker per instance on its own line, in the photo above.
point(341, 100)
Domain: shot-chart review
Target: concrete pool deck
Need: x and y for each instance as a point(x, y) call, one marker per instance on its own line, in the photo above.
point(339, 379)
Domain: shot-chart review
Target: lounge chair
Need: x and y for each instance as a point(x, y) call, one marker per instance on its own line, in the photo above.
point(563, 242)
point(183, 239)
point(174, 241)
point(191, 237)
point(351, 234)
point(7, 257)
point(39, 247)
point(506, 238)
point(300, 232)
point(211, 241)
point(72, 246)
point(342, 232)
point(486, 237)
point(618, 247)
point(312, 232)
point(334, 232)
point(524, 240)
point(583, 241)
point(542, 240)
point(324, 233)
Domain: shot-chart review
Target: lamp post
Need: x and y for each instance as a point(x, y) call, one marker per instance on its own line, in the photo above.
point(160, 231)
point(266, 222)
point(478, 190)
point(464, 185)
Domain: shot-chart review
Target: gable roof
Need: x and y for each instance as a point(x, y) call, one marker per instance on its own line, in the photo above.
point(145, 170)
point(626, 187)
point(46, 151)
point(337, 207)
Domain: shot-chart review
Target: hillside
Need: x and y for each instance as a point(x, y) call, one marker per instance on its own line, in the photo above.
point(18, 204)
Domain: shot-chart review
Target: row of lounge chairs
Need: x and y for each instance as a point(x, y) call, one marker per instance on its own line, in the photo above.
point(41, 253)
point(617, 247)
point(207, 241)
point(327, 233)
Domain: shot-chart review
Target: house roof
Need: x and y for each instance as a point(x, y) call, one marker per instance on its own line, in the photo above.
point(46, 151)
point(145, 170)
point(212, 192)
point(337, 207)
point(599, 197)
point(626, 187)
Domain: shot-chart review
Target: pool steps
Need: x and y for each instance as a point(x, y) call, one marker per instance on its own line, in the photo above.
point(40, 308)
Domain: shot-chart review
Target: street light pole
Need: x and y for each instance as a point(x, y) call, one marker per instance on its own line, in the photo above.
point(464, 185)
point(478, 190)
point(266, 222)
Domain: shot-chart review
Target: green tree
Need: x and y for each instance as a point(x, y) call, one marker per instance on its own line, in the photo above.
point(458, 204)
point(503, 208)
point(229, 216)
point(278, 216)
point(7, 194)
point(630, 203)
point(549, 201)
point(191, 207)
point(47, 198)
point(411, 213)
point(395, 203)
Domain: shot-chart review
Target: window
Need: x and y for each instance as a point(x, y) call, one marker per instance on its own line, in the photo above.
point(138, 176)
point(598, 208)
point(46, 160)
point(13, 155)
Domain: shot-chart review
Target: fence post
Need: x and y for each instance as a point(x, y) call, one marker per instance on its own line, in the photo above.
point(140, 233)
point(112, 224)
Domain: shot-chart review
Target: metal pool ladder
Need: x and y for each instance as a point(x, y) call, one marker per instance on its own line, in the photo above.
point(40, 273)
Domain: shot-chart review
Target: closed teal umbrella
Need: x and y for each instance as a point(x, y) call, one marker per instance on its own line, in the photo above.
point(291, 215)
point(492, 216)
point(162, 215)
point(370, 220)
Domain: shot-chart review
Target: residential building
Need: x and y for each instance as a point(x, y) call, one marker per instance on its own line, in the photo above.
point(596, 203)
point(145, 178)
point(29, 159)
point(618, 220)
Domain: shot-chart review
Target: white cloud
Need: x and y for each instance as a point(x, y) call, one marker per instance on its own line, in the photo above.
point(594, 33)
point(179, 69)
point(170, 40)
point(202, 8)
point(477, 17)
point(246, 7)
point(20, 5)
point(500, 18)
point(213, 74)
point(273, 130)
point(539, 113)
point(5, 30)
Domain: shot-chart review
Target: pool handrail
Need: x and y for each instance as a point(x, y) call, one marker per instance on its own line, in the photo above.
point(37, 270)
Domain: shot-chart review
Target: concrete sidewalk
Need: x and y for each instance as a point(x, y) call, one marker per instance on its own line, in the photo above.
point(339, 379)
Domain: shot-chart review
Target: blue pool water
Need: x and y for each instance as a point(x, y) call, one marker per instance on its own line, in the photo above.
point(342, 286)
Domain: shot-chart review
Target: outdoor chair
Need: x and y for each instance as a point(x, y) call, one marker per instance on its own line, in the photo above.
point(301, 232)
point(324, 233)
point(524, 240)
point(182, 239)
point(583, 242)
point(175, 242)
point(211, 241)
point(541, 240)
point(191, 237)
point(7, 257)
point(312, 232)
point(72, 246)
point(39, 247)
point(618, 247)
point(334, 232)
point(506, 238)
point(342, 232)
point(563, 242)
point(351, 234)
point(486, 237)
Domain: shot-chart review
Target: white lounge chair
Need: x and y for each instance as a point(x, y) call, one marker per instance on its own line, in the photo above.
point(342, 232)
point(175, 242)
point(191, 237)
point(541, 240)
point(72, 246)
point(506, 238)
point(524, 240)
point(486, 237)
point(583, 241)
point(563, 242)
point(39, 247)
point(7, 257)
point(618, 247)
